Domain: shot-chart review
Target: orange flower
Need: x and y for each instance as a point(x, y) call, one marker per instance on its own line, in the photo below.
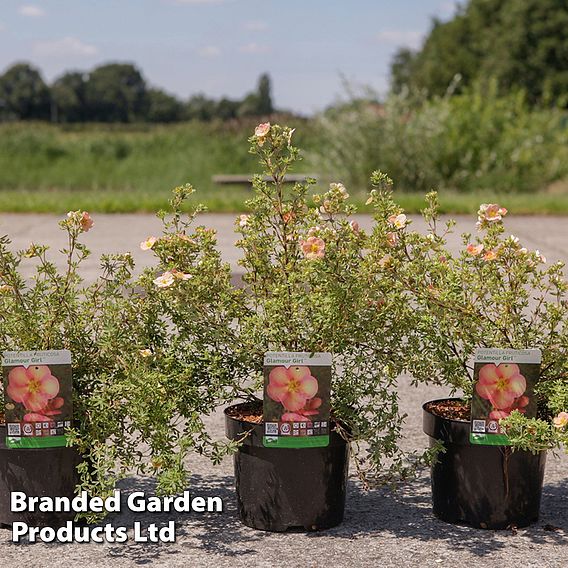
point(86, 222)
point(474, 250)
point(313, 247)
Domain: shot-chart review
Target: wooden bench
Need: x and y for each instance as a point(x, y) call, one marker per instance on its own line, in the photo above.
point(244, 179)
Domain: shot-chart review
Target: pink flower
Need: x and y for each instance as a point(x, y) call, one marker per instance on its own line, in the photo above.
point(33, 387)
point(474, 250)
point(561, 421)
point(500, 384)
point(148, 243)
point(291, 387)
point(86, 222)
point(243, 221)
point(261, 132)
point(311, 407)
point(354, 226)
point(35, 417)
point(490, 212)
point(490, 255)
point(313, 247)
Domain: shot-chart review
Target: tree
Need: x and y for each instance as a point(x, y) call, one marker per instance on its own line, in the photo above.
point(259, 102)
point(163, 107)
point(264, 97)
point(199, 107)
point(23, 94)
point(520, 43)
point(116, 92)
point(68, 98)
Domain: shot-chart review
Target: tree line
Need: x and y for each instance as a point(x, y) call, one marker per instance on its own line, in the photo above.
point(522, 44)
point(115, 92)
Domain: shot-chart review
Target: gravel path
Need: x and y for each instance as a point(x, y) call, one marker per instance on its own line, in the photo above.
point(381, 528)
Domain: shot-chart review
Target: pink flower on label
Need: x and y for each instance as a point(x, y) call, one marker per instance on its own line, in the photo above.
point(292, 387)
point(86, 222)
point(313, 247)
point(498, 414)
point(500, 384)
point(561, 421)
point(261, 132)
point(33, 387)
point(519, 404)
point(294, 417)
point(35, 417)
point(474, 250)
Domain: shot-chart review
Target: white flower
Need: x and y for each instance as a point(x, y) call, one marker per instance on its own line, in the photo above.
point(398, 221)
point(165, 280)
point(148, 243)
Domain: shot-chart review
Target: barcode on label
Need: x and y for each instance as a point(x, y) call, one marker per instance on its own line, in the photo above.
point(14, 430)
point(479, 425)
point(271, 428)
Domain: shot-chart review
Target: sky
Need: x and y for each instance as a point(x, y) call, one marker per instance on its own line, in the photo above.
point(220, 47)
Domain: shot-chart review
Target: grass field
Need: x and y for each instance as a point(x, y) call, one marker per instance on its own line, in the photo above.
point(102, 168)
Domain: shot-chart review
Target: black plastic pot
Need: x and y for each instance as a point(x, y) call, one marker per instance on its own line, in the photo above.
point(45, 472)
point(489, 487)
point(288, 488)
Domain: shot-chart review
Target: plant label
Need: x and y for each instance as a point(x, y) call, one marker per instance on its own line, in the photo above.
point(504, 381)
point(296, 399)
point(38, 398)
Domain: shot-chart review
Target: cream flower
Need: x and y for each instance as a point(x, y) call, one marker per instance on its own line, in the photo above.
point(148, 243)
point(243, 221)
point(398, 221)
point(165, 280)
point(561, 421)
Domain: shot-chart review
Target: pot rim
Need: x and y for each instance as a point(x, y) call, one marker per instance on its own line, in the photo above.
point(424, 409)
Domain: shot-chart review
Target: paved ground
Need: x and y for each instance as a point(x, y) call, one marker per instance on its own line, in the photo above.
point(381, 528)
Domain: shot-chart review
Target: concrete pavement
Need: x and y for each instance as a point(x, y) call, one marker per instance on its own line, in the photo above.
point(381, 529)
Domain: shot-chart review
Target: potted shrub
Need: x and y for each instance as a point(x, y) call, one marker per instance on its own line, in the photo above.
point(309, 288)
point(182, 365)
point(493, 294)
point(56, 310)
